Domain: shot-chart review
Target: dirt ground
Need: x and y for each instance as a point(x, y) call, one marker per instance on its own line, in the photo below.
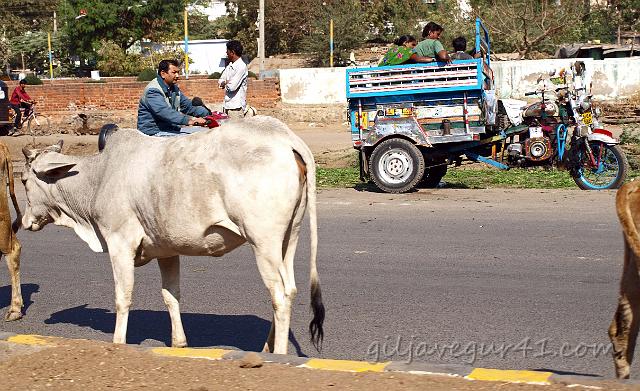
point(90, 365)
point(94, 365)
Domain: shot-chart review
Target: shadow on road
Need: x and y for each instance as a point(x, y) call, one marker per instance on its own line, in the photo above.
point(27, 291)
point(245, 332)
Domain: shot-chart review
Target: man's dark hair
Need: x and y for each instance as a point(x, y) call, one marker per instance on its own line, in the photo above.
point(23, 81)
point(236, 47)
point(164, 65)
point(459, 44)
point(431, 26)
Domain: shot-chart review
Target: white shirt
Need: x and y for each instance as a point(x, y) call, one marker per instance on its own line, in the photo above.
point(235, 90)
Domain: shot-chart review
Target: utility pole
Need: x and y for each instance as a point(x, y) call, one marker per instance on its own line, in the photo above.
point(186, 44)
point(55, 23)
point(261, 38)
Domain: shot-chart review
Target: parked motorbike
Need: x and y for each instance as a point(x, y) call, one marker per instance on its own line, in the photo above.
point(564, 132)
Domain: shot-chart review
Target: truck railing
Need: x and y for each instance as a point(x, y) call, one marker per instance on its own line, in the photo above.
point(462, 75)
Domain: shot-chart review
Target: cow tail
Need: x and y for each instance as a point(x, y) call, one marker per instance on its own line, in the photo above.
point(317, 307)
point(629, 229)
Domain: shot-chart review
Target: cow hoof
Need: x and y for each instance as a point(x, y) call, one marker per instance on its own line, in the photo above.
point(12, 315)
point(179, 344)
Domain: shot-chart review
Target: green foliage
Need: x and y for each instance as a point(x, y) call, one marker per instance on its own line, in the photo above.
point(33, 80)
point(464, 177)
point(215, 75)
point(5, 54)
point(114, 61)
point(532, 178)
point(253, 75)
point(147, 74)
point(337, 177)
point(630, 135)
point(20, 16)
point(118, 21)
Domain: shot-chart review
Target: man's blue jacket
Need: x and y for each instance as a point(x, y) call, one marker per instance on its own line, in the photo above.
point(162, 109)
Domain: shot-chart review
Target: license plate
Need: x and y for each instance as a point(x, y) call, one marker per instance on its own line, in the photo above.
point(587, 119)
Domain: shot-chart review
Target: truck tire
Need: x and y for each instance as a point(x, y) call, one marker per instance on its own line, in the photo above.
point(396, 166)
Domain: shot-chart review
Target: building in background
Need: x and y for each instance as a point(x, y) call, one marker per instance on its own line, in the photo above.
point(207, 55)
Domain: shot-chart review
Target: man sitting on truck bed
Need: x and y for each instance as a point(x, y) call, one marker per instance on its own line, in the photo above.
point(431, 46)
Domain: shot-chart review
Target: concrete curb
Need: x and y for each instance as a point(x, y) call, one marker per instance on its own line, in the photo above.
point(461, 371)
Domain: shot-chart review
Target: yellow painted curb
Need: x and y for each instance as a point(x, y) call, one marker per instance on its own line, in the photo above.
point(510, 376)
point(344, 365)
point(28, 339)
point(211, 354)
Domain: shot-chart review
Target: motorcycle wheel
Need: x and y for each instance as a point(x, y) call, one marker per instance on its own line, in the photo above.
point(609, 173)
point(396, 166)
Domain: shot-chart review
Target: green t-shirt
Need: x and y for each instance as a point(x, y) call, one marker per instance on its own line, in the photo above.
point(429, 48)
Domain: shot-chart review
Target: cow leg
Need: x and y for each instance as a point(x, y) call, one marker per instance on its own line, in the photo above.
point(289, 245)
point(170, 272)
point(274, 272)
point(13, 263)
point(123, 276)
point(623, 330)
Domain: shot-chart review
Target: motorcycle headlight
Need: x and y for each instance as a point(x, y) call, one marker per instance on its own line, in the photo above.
point(585, 106)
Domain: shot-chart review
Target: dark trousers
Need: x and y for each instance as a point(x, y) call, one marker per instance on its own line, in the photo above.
point(16, 108)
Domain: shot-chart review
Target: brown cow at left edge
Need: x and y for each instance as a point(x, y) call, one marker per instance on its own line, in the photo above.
point(9, 245)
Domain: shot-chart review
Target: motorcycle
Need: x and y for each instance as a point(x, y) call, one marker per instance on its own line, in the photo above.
point(564, 132)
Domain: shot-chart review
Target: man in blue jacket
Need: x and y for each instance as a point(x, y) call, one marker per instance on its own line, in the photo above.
point(163, 109)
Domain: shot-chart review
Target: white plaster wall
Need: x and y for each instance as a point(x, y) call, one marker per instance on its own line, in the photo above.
point(309, 86)
point(612, 79)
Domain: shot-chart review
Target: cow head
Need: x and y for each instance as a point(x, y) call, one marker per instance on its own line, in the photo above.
point(42, 169)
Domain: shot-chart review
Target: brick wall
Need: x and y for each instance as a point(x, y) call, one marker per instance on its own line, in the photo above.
point(121, 93)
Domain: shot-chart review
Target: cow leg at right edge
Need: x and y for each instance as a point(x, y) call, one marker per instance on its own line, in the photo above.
point(170, 272)
point(13, 263)
point(623, 330)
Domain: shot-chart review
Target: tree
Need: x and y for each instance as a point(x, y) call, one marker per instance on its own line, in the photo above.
point(528, 26)
point(626, 15)
point(19, 16)
point(285, 26)
point(350, 28)
point(123, 22)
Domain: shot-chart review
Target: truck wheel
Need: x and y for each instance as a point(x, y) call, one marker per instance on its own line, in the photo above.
point(396, 166)
point(432, 176)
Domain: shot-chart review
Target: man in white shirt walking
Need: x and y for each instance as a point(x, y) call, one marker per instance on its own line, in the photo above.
point(234, 81)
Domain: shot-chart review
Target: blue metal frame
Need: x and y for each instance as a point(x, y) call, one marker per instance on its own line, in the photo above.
point(482, 35)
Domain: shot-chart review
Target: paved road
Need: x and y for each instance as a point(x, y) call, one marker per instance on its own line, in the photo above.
point(516, 278)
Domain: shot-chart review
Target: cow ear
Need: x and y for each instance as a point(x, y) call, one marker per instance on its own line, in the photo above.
point(29, 154)
point(57, 147)
point(52, 169)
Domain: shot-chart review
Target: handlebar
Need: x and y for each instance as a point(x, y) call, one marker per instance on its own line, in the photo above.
point(531, 93)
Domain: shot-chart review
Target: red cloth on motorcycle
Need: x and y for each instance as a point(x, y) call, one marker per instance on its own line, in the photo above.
point(214, 118)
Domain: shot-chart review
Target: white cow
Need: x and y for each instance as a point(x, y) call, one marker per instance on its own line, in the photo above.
point(148, 197)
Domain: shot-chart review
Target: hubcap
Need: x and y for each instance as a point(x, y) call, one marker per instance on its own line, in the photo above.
point(395, 166)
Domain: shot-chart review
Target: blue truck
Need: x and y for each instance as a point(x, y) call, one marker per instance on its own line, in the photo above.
point(409, 122)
